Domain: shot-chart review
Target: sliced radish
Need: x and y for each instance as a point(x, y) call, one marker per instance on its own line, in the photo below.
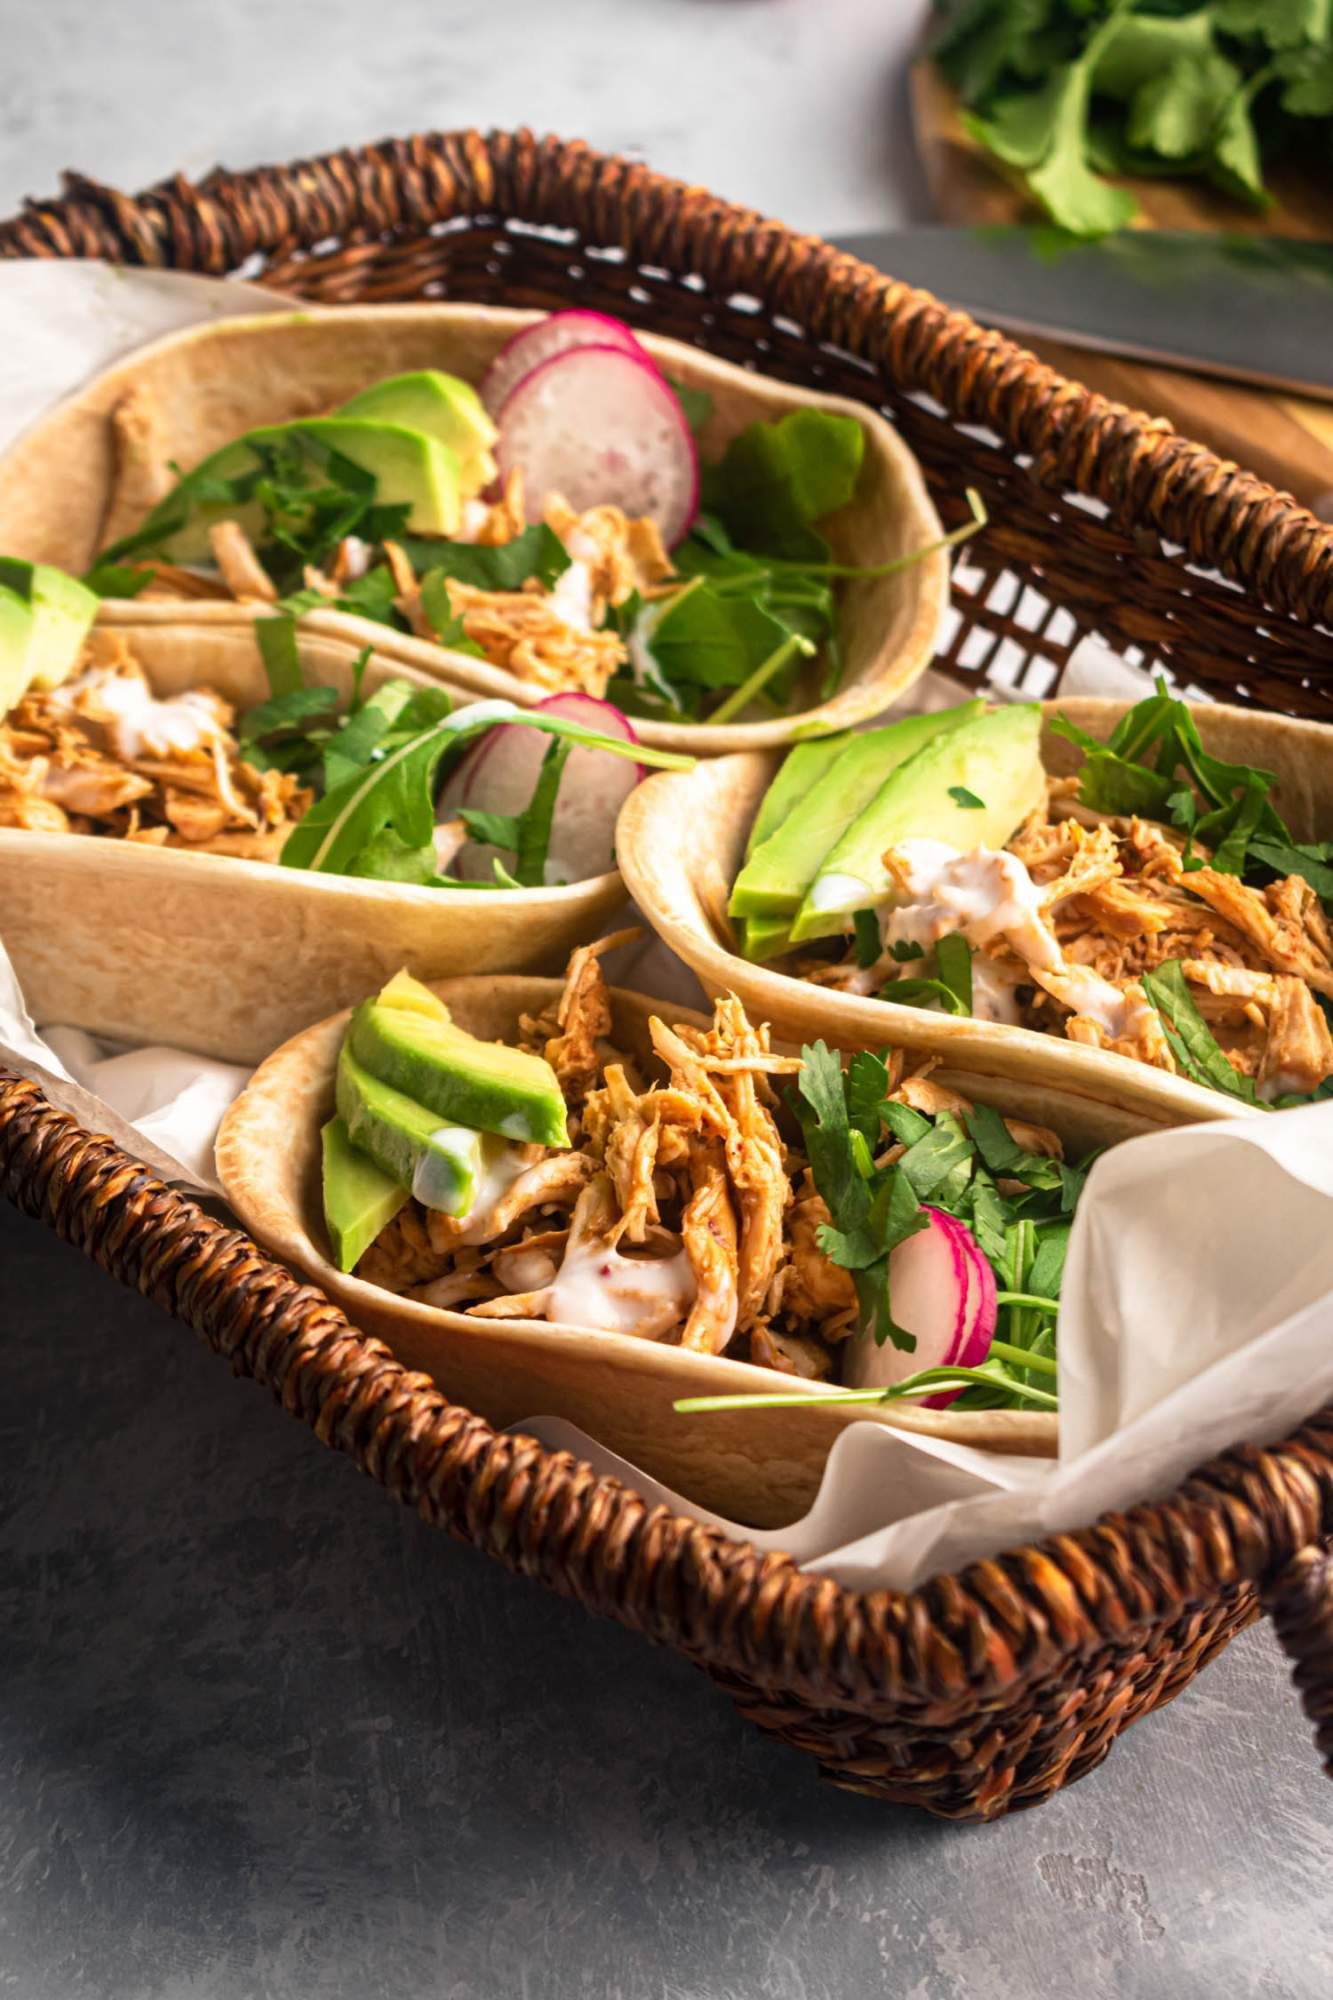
point(942, 1289)
point(500, 775)
point(600, 426)
point(555, 334)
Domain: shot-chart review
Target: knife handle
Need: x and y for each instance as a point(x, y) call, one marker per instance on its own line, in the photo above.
point(1286, 439)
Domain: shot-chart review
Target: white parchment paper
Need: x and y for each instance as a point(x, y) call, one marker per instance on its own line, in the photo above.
point(1197, 1308)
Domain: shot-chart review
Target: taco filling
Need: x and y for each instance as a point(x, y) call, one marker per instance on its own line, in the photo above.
point(863, 1225)
point(1155, 905)
point(547, 521)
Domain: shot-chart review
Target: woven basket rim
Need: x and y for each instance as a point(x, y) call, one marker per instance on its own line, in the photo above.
point(1136, 464)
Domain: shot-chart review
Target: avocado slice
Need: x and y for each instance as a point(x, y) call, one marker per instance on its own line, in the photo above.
point(405, 991)
point(442, 1164)
point(762, 938)
point(442, 406)
point(63, 610)
point(409, 469)
point(461, 1080)
point(799, 770)
point(994, 757)
point(44, 619)
point(776, 876)
point(16, 623)
point(359, 1197)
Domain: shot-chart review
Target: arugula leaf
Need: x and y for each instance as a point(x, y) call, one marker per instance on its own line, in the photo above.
point(712, 640)
point(110, 579)
point(868, 943)
point(534, 828)
point(537, 552)
point(1188, 1035)
point(398, 790)
point(775, 480)
point(284, 712)
point(1285, 857)
point(388, 858)
point(276, 639)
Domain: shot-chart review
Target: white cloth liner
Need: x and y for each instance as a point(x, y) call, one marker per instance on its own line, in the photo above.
point(1197, 1309)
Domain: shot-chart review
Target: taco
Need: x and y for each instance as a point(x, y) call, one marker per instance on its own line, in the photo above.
point(570, 1200)
point(1133, 901)
point(519, 504)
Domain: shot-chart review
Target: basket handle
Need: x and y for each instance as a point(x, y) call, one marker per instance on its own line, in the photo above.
point(1299, 1600)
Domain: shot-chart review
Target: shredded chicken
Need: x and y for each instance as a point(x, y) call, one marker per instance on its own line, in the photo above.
point(1116, 895)
point(101, 754)
point(680, 1213)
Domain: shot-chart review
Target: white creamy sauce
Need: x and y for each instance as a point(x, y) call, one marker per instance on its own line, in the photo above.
point(993, 989)
point(137, 723)
point(570, 597)
point(1088, 994)
point(473, 520)
point(495, 1164)
point(985, 894)
point(597, 1286)
point(581, 546)
point(839, 892)
point(356, 557)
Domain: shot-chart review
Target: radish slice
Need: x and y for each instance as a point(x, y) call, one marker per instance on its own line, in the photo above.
point(500, 775)
point(942, 1289)
point(555, 334)
point(601, 427)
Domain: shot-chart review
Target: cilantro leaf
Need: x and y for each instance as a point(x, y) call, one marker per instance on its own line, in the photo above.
point(968, 800)
point(776, 480)
point(868, 943)
point(1188, 1035)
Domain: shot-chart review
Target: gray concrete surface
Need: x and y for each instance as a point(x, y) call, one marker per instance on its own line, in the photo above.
point(265, 1736)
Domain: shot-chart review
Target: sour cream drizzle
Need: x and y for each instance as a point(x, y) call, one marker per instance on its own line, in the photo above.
point(136, 721)
point(985, 895)
point(599, 1287)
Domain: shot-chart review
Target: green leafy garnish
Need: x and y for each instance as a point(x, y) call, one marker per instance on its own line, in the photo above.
point(968, 800)
point(869, 946)
point(276, 639)
point(111, 579)
point(527, 835)
point(951, 989)
point(1188, 1035)
point(1063, 92)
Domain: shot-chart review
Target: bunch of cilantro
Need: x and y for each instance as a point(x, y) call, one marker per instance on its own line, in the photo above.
point(1064, 92)
point(1155, 765)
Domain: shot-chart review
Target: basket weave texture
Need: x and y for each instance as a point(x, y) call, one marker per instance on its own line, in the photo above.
point(989, 1689)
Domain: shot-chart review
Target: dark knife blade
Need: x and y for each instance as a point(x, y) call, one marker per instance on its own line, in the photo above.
point(1250, 308)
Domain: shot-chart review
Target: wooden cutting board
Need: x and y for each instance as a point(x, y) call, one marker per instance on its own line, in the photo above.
point(1286, 439)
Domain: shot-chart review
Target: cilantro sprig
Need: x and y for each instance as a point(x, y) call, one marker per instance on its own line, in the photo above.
point(1066, 92)
point(877, 1163)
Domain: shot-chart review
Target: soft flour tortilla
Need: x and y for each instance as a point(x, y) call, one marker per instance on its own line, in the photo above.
point(761, 1466)
point(227, 957)
point(683, 889)
point(63, 495)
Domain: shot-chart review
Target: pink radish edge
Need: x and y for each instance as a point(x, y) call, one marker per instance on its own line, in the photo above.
point(541, 342)
point(581, 446)
point(942, 1290)
point(603, 716)
point(502, 770)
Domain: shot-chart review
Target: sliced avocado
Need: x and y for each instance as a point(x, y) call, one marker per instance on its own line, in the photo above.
point(994, 757)
point(458, 1078)
point(799, 770)
point(405, 991)
point(765, 937)
point(409, 469)
point(45, 619)
point(16, 623)
point(359, 1197)
point(63, 610)
point(441, 1164)
point(444, 407)
point(775, 878)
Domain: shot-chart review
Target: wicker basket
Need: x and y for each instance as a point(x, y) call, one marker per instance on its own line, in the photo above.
point(989, 1689)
